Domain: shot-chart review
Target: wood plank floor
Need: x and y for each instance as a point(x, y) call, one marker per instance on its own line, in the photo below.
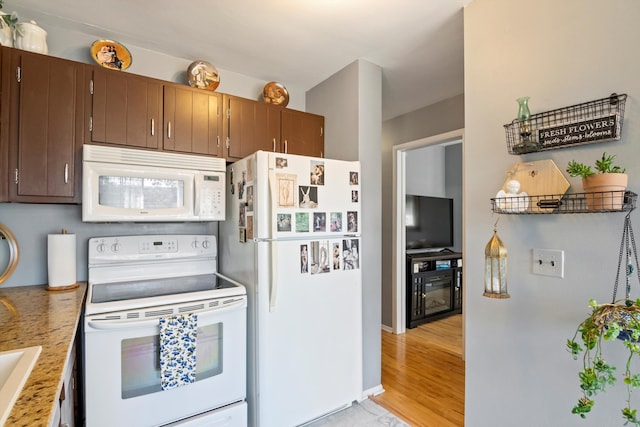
point(423, 374)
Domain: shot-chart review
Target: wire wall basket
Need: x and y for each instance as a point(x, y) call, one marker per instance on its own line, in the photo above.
point(605, 201)
point(586, 123)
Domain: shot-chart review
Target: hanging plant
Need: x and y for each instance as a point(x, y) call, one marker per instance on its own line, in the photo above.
point(617, 322)
point(606, 322)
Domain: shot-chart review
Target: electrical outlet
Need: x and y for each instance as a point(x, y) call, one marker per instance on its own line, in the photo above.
point(548, 262)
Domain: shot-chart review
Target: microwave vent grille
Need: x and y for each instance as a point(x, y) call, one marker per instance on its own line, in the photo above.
point(128, 156)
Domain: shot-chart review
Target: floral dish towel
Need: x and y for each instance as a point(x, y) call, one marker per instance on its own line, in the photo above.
point(178, 336)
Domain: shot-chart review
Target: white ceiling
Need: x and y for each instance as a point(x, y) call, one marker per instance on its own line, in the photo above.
point(418, 43)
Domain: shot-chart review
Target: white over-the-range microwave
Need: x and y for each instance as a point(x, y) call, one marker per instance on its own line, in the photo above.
point(130, 185)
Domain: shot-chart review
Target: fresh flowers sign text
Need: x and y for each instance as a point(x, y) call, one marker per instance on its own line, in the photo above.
point(600, 129)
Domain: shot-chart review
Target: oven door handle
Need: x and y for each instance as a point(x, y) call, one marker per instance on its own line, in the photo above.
point(120, 323)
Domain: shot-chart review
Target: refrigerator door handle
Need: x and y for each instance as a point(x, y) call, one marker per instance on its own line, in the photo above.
point(274, 253)
point(273, 189)
point(274, 276)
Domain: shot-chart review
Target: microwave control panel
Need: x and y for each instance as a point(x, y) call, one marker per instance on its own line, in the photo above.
point(210, 205)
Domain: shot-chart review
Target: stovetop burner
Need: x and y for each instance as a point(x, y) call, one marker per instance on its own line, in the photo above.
point(130, 272)
point(120, 291)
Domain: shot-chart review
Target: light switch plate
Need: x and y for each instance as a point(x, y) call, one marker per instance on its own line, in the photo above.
point(548, 262)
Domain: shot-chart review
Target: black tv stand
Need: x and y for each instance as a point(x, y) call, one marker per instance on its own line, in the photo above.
point(434, 286)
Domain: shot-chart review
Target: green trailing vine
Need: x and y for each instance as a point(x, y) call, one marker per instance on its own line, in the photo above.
point(607, 322)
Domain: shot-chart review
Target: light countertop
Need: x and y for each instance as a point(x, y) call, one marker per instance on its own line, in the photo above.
point(31, 316)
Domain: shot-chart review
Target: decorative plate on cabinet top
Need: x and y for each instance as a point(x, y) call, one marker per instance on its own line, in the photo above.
point(111, 54)
point(203, 75)
point(276, 94)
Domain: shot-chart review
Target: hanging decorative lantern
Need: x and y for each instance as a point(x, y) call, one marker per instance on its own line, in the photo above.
point(495, 267)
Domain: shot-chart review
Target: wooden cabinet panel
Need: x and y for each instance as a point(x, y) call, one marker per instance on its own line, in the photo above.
point(45, 145)
point(302, 133)
point(268, 128)
point(5, 66)
point(192, 121)
point(250, 126)
point(45, 123)
point(125, 108)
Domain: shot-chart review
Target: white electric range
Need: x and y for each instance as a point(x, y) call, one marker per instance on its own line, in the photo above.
point(135, 282)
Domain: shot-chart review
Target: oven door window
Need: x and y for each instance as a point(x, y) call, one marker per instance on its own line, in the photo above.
point(128, 192)
point(141, 360)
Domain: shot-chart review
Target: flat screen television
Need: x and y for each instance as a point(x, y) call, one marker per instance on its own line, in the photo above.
point(428, 222)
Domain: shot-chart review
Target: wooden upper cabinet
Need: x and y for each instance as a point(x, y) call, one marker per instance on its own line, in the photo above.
point(192, 121)
point(249, 126)
point(5, 61)
point(45, 140)
point(253, 125)
point(302, 133)
point(125, 109)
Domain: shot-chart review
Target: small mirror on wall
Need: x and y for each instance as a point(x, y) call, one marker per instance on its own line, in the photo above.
point(9, 253)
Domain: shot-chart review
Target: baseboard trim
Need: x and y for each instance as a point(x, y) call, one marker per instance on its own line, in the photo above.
point(387, 328)
point(374, 391)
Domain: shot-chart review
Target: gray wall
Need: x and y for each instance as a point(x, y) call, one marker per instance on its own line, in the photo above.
point(350, 100)
point(559, 53)
point(442, 117)
point(425, 169)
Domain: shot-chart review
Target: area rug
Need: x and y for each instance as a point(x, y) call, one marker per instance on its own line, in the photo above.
point(364, 414)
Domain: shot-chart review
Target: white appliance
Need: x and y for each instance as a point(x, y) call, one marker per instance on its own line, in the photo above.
point(292, 236)
point(129, 185)
point(134, 282)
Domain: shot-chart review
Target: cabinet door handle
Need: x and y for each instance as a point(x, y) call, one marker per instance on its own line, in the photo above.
point(286, 147)
point(153, 127)
point(66, 173)
point(274, 145)
point(168, 130)
point(218, 141)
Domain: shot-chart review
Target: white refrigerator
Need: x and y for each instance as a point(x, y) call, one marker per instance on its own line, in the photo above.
point(292, 237)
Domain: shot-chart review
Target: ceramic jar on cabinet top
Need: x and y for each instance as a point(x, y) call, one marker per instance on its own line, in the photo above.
point(29, 36)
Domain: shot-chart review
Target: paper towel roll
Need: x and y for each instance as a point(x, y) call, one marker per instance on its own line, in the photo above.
point(61, 260)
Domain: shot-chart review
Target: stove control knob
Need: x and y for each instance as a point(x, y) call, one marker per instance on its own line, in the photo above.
point(101, 247)
point(205, 244)
point(115, 247)
point(195, 244)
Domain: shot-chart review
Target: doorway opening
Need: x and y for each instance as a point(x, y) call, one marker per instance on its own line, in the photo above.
point(400, 153)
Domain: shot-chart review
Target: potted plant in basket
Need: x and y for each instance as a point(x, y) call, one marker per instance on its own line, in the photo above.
point(618, 323)
point(605, 186)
